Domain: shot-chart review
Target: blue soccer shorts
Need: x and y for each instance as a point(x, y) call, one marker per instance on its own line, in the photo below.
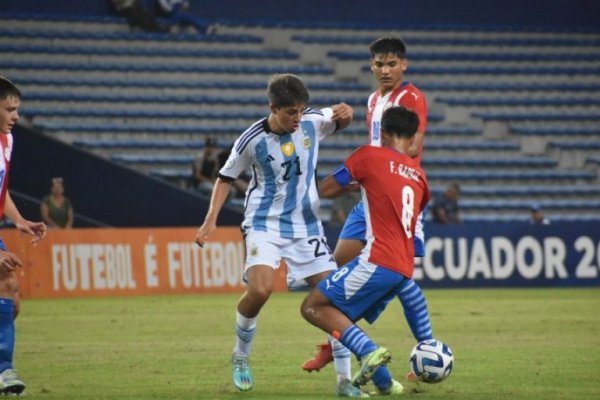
point(361, 289)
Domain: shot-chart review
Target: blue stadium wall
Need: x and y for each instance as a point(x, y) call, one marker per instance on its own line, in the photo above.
point(515, 13)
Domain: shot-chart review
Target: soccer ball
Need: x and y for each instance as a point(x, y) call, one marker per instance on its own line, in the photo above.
point(431, 361)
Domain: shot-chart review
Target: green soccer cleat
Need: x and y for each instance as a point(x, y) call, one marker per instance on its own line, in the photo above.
point(395, 389)
point(10, 382)
point(242, 375)
point(370, 363)
point(345, 389)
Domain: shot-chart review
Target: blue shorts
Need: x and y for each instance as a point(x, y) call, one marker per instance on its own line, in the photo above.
point(355, 228)
point(361, 289)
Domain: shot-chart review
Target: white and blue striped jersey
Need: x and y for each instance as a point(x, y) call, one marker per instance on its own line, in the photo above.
point(282, 197)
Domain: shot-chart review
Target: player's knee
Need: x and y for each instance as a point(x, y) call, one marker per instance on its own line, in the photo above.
point(309, 309)
point(260, 294)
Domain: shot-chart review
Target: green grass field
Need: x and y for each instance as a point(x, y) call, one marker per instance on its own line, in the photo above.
point(508, 344)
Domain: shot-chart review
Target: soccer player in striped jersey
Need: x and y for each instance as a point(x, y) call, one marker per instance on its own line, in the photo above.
point(10, 100)
point(388, 64)
point(394, 191)
point(281, 217)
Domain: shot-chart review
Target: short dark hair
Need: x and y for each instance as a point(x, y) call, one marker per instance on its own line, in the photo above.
point(287, 90)
point(388, 44)
point(400, 122)
point(8, 89)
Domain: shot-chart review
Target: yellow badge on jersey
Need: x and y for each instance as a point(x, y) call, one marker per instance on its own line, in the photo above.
point(306, 142)
point(253, 250)
point(287, 148)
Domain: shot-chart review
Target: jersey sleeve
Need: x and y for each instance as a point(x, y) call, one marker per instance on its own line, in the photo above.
point(326, 124)
point(356, 162)
point(416, 101)
point(237, 162)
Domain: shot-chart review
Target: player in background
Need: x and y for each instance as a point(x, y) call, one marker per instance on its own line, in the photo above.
point(388, 64)
point(394, 191)
point(281, 217)
point(10, 100)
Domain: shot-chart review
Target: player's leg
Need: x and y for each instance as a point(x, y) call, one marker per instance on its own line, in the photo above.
point(259, 276)
point(9, 380)
point(258, 290)
point(310, 261)
point(317, 310)
point(355, 291)
point(415, 310)
point(350, 244)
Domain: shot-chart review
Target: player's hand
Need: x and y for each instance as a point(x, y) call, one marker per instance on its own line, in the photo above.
point(204, 232)
point(8, 262)
point(342, 111)
point(36, 229)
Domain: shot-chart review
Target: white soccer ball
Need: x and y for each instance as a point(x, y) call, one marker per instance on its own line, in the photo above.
point(431, 361)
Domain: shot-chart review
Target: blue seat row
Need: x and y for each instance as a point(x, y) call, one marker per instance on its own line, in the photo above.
point(474, 56)
point(459, 176)
point(453, 41)
point(473, 219)
point(494, 175)
point(213, 129)
point(132, 67)
point(562, 101)
point(501, 70)
point(537, 116)
point(144, 51)
point(138, 113)
point(466, 204)
point(555, 130)
point(593, 160)
point(574, 145)
point(329, 144)
point(152, 158)
point(525, 190)
point(471, 162)
point(177, 84)
point(190, 99)
point(145, 144)
point(128, 36)
point(511, 86)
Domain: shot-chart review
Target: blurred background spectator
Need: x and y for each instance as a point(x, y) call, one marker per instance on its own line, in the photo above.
point(537, 215)
point(137, 15)
point(177, 14)
point(205, 168)
point(445, 208)
point(56, 209)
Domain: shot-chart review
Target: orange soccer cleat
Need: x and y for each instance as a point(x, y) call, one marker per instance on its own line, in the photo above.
point(323, 357)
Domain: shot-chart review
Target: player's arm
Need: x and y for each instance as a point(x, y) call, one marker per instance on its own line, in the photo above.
point(217, 199)
point(36, 229)
point(339, 182)
point(342, 115)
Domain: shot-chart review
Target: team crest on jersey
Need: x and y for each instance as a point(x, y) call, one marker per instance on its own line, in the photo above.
point(306, 142)
point(287, 148)
point(253, 250)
